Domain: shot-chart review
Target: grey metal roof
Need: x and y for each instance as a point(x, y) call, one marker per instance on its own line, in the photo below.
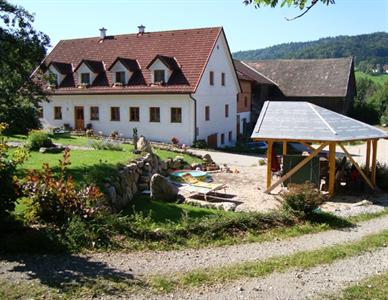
point(297, 120)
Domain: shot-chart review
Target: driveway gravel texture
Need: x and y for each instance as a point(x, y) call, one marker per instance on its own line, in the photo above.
point(135, 264)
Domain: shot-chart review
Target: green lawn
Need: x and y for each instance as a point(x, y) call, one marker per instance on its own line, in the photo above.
point(88, 166)
point(379, 79)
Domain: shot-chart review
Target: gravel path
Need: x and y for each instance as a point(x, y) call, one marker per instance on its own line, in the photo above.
point(164, 262)
point(294, 284)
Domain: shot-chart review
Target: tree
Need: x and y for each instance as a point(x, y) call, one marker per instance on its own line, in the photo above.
point(304, 5)
point(22, 48)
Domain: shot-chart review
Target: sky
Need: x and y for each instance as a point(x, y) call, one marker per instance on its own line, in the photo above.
point(245, 27)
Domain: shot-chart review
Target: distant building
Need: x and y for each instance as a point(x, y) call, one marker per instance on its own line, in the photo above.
point(329, 83)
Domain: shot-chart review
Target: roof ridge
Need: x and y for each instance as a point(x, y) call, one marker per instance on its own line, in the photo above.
point(322, 119)
point(145, 33)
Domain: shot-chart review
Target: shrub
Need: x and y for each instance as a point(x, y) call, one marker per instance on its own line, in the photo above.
point(37, 139)
point(365, 112)
point(302, 199)
point(55, 200)
point(382, 176)
point(9, 186)
point(105, 145)
point(174, 141)
point(200, 144)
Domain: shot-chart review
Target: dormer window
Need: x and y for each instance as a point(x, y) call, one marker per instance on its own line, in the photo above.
point(159, 76)
point(57, 72)
point(120, 77)
point(85, 78)
point(162, 68)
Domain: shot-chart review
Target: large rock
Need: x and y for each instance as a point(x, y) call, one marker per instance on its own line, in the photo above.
point(144, 145)
point(162, 189)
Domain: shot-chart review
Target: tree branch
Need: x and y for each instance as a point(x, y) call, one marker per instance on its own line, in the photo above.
point(305, 12)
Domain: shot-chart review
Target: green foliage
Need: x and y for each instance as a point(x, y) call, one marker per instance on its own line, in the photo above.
point(380, 100)
point(365, 112)
point(9, 186)
point(105, 145)
point(200, 144)
point(22, 48)
point(301, 4)
point(302, 199)
point(371, 48)
point(55, 200)
point(37, 139)
point(382, 176)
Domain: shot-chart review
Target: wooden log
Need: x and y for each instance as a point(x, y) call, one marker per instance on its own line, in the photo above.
point(367, 159)
point(296, 168)
point(332, 157)
point(285, 148)
point(348, 155)
point(269, 163)
point(374, 162)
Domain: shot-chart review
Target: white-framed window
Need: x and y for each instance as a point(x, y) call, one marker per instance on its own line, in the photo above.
point(120, 77)
point(159, 75)
point(85, 78)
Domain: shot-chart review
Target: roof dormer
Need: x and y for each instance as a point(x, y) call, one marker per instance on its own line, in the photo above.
point(58, 71)
point(122, 70)
point(162, 67)
point(87, 71)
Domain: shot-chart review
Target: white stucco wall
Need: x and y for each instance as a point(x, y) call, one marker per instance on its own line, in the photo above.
point(244, 115)
point(162, 131)
point(217, 96)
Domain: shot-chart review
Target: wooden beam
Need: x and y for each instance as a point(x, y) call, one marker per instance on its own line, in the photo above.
point(332, 157)
point(308, 146)
point(374, 161)
point(269, 163)
point(284, 148)
point(296, 168)
point(357, 167)
point(367, 159)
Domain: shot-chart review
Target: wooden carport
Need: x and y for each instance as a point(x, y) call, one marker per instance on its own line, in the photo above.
point(306, 123)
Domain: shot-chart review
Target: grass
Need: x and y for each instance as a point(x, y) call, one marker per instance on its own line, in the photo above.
point(375, 287)
point(300, 260)
point(88, 166)
point(379, 79)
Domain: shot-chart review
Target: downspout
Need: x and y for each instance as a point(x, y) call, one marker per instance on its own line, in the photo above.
point(195, 117)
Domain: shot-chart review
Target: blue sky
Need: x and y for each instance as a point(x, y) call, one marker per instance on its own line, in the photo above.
point(245, 27)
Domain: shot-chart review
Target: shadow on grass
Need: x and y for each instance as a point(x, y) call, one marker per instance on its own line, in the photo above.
point(331, 220)
point(64, 271)
point(162, 212)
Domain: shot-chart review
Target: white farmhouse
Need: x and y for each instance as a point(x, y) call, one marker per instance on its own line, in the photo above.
point(167, 84)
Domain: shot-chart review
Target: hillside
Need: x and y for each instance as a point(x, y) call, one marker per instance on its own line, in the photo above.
point(378, 79)
point(367, 48)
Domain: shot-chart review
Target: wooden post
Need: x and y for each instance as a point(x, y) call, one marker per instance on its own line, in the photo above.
point(367, 159)
point(296, 168)
point(332, 156)
point(285, 148)
point(374, 161)
point(269, 163)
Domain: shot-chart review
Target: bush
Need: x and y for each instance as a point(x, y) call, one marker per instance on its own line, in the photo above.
point(55, 200)
point(200, 144)
point(105, 145)
point(302, 199)
point(9, 186)
point(365, 112)
point(382, 176)
point(37, 139)
point(174, 141)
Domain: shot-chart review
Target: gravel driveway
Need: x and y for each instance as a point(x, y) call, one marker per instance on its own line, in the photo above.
point(163, 262)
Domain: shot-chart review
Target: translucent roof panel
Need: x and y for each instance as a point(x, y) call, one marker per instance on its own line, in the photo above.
point(298, 120)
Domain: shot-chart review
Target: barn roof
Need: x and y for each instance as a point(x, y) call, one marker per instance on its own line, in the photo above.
point(297, 120)
point(306, 77)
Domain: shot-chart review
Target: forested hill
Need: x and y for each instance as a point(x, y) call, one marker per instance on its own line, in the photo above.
point(368, 48)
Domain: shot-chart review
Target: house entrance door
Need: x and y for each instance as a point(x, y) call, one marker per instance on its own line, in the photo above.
point(212, 140)
point(79, 122)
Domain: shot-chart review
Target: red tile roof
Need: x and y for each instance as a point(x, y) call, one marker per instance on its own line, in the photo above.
point(191, 48)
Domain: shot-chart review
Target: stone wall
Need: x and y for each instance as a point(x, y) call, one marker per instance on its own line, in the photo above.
point(132, 178)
